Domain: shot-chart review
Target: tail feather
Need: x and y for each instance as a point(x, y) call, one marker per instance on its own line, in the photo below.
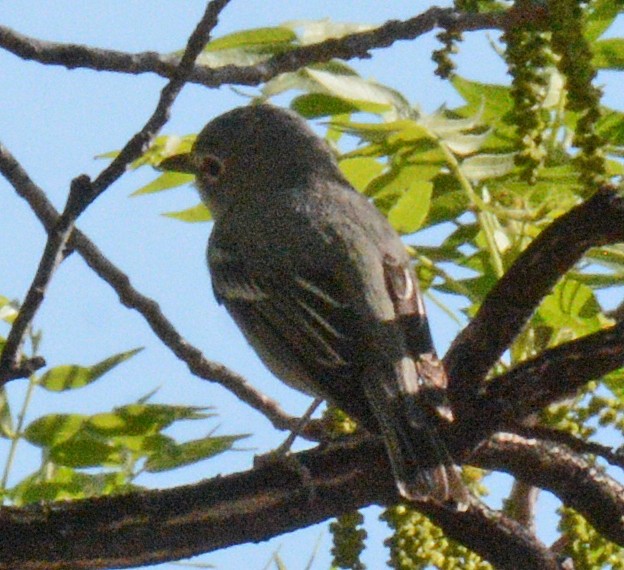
point(422, 465)
point(423, 468)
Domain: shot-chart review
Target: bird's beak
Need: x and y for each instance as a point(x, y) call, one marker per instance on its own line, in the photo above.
point(179, 163)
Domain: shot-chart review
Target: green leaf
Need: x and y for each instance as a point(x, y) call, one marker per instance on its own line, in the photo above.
point(484, 166)
point(609, 54)
point(195, 214)
point(600, 16)
point(493, 102)
point(571, 310)
point(160, 148)
point(84, 449)
point(179, 455)
point(8, 311)
point(598, 280)
point(269, 36)
point(449, 200)
point(142, 419)
point(610, 256)
point(6, 419)
point(71, 376)
point(463, 144)
point(360, 171)
point(64, 483)
point(315, 31)
point(409, 212)
point(53, 429)
point(615, 382)
point(353, 88)
point(165, 181)
point(611, 126)
point(316, 105)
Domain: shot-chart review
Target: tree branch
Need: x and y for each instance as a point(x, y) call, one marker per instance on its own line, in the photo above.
point(357, 45)
point(135, 147)
point(598, 497)
point(570, 441)
point(159, 526)
point(11, 365)
point(556, 373)
point(83, 193)
point(514, 298)
point(133, 299)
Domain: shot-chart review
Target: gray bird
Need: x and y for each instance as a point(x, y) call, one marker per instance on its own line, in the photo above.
point(322, 286)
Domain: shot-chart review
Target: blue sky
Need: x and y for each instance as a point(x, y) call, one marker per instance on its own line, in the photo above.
point(56, 121)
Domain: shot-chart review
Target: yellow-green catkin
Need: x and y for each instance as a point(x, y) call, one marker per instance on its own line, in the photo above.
point(347, 532)
point(349, 541)
point(418, 544)
point(575, 63)
point(528, 57)
point(588, 549)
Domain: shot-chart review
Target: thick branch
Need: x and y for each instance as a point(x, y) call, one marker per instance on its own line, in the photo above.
point(356, 45)
point(556, 373)
point(133, 299)
point(157, 526)
point(598, 497)
point(514, 298)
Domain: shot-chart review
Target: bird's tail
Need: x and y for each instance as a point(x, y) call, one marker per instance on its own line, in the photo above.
point(423, 468)
point(422, 465)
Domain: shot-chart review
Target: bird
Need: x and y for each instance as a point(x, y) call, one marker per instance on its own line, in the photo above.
point(322, 286)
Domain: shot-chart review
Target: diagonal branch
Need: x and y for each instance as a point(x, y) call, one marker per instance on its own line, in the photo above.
point(357, 45)
point(556, 373)
point(133, 299)
point(572, 442)
point(83, 193)
point(598, 497)
point(135, 147)
point(52, 256)
point(514, 298)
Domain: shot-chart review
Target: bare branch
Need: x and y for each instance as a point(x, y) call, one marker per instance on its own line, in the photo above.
point(520, 505)
point(574, 443)
point(556, 373)
point(357, 45)
point(514, 298)
point(133, 299)
point(139, 142)
point(598, 497)
point(158, 526)
point(53, 255)
point(22, 368)
point(83, 192)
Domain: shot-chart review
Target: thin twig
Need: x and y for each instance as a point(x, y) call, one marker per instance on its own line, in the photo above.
point(53, 255)
point(574, 443)
point(148, 308)
point(139, 142)
point(83, 192)
point(357, 45)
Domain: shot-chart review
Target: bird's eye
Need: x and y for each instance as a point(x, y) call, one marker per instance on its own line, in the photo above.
point(211, 166)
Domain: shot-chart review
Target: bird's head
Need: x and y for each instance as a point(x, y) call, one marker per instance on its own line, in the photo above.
point(251, 150)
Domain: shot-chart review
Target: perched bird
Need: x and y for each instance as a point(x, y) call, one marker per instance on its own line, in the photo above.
point(322, 286)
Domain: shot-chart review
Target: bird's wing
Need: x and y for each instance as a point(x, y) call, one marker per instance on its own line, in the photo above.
point(430, 380)
point(297, 317)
